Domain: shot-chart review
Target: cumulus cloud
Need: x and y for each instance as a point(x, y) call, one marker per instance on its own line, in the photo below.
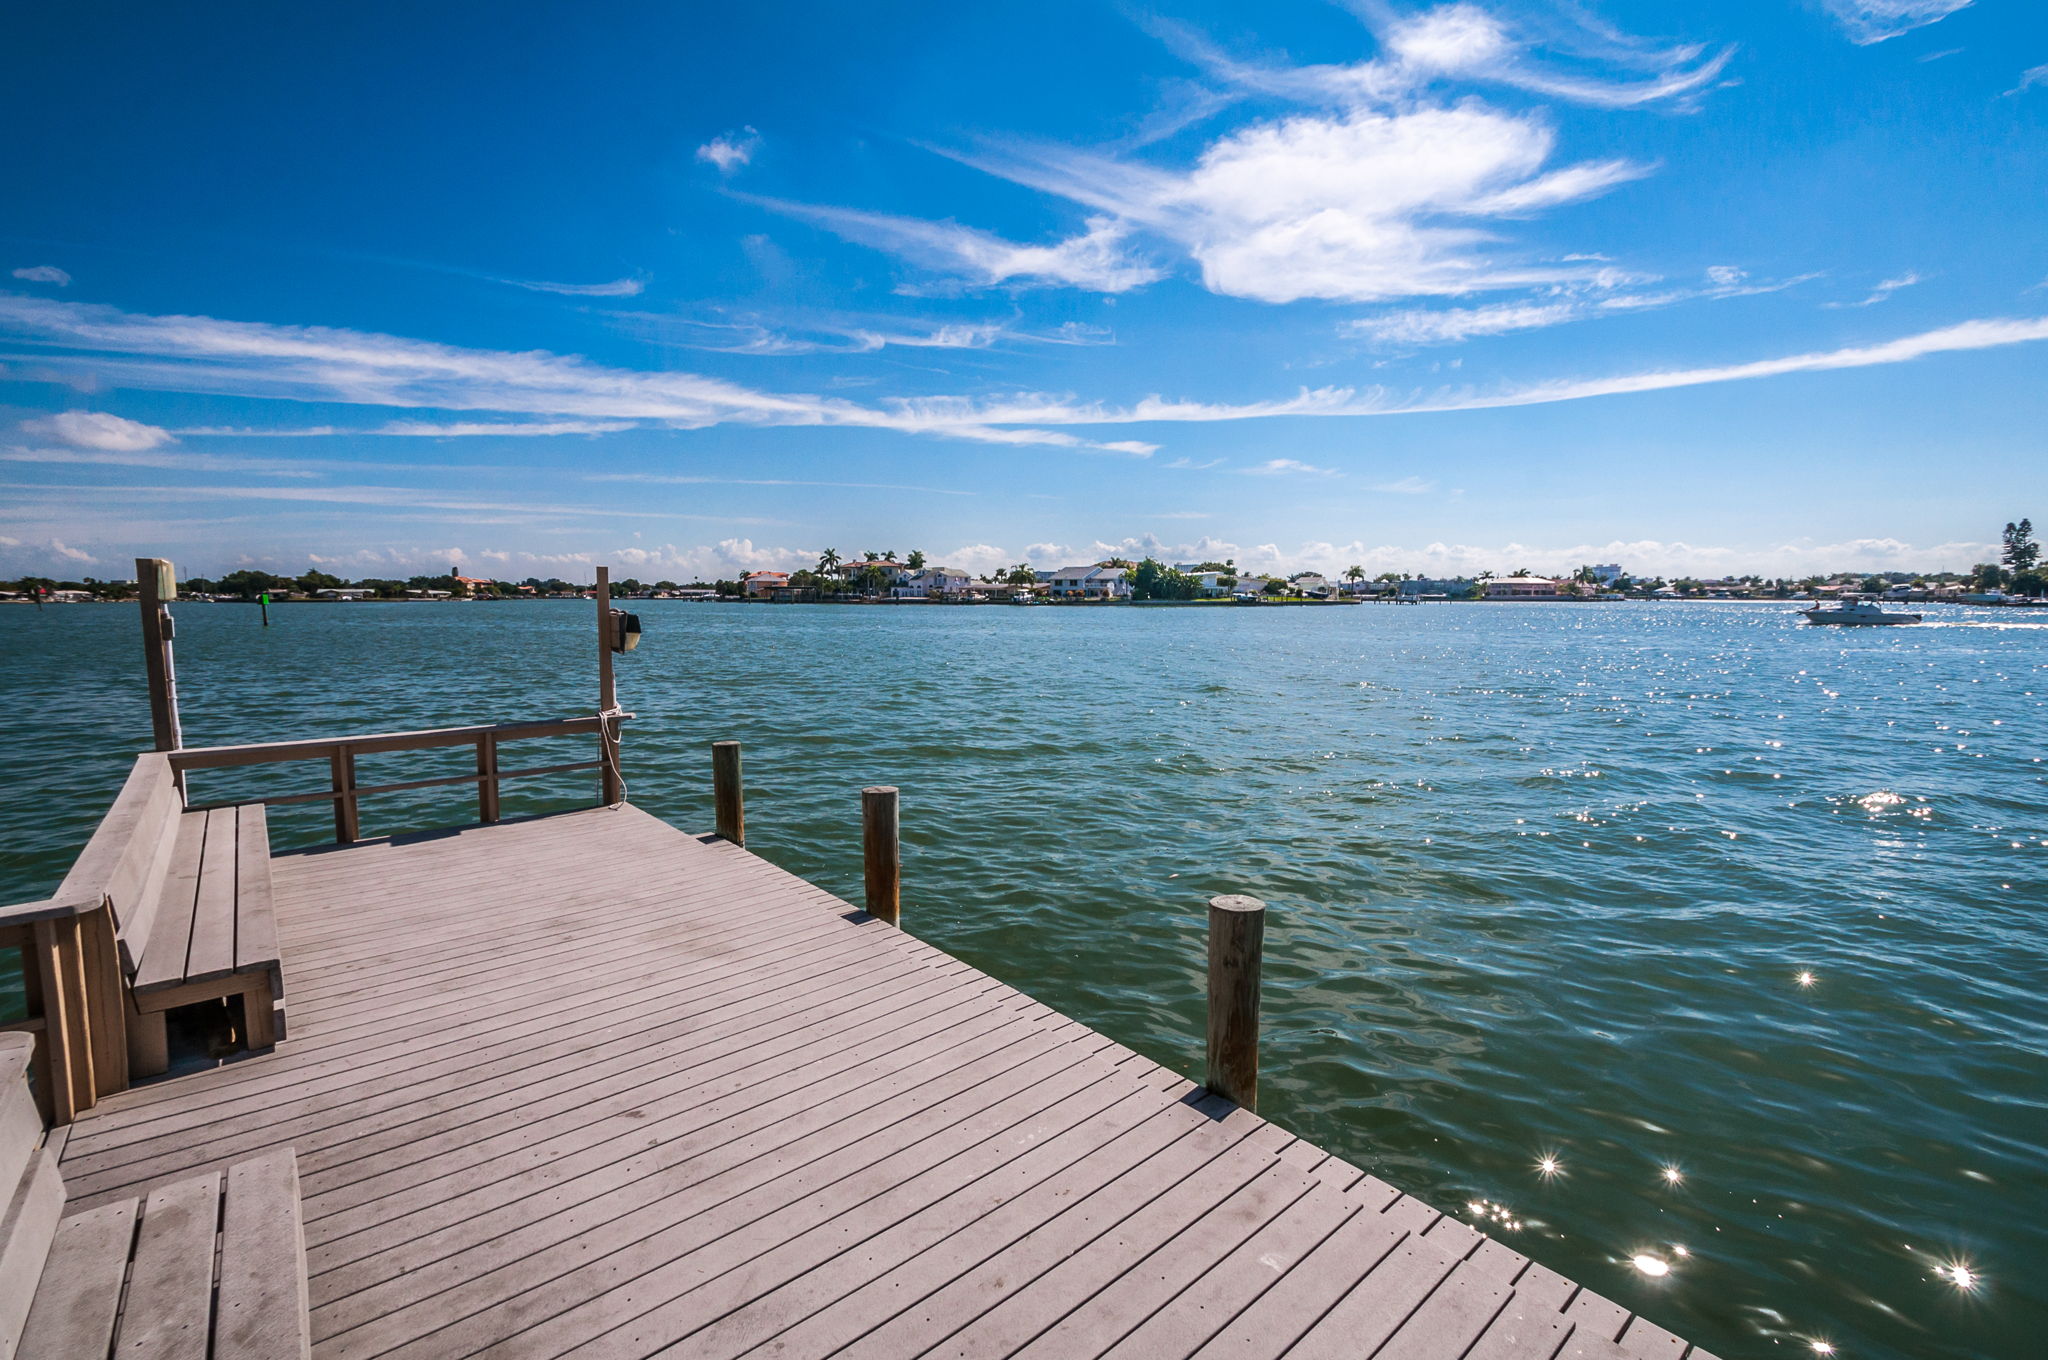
point(730, 150)
point(1873, 21)
point(98, 430)
point(44, 273)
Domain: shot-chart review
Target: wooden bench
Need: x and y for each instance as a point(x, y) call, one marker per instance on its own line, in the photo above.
point(212, 1265)
point(191, 899)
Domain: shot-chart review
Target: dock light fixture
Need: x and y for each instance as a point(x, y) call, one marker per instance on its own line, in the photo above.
point(625, 631)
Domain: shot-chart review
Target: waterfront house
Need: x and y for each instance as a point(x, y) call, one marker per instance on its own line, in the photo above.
point(932, 583)
point(1097, 581)
point(760, 585)
point(894, 573)
point(343, 593)
point(1215, 583)
point(1522, 588)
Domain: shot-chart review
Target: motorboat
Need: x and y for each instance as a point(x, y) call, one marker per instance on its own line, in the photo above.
point(1857, 614)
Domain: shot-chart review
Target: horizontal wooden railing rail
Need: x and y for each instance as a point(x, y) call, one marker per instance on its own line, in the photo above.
point(340, 754)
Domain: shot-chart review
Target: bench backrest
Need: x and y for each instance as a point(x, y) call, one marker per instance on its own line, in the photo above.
point(126, 858)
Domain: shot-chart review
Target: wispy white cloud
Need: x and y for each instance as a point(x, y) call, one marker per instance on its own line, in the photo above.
point(729, 151)
point(1287, 467)
point(409, 498)
point(2029, 78)
point(1873, 21)
point(98, 430)
point(628, 287)
point(1882, 291)
point(44, 273)
point(251, 359)
point(772, 338)
point(1576, 58)
point(1100, 259)
point(1384, 190)
point(666, 480)
point(1406, 486)
point(167, 460)
point(424, 429)
point(1606, 293)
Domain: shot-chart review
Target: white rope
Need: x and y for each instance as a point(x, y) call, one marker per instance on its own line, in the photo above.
point(612, 728)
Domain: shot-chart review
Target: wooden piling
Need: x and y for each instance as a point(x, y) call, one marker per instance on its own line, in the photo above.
point(155, 584)
point(727, 792)
point(882, 852)
point(1237, 933)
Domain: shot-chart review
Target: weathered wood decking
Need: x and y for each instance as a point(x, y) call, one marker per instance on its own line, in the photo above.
point(584, 1084)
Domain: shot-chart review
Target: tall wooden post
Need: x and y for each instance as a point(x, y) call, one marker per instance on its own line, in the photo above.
point(156, 583)
point(611, 789)
point(882, 852)
point(728, 795)
point(348, 825)
point(1237, 935)
point(487, 778)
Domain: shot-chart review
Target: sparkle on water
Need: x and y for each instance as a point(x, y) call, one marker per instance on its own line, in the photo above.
point(1508, 923)
point(1650, 1265)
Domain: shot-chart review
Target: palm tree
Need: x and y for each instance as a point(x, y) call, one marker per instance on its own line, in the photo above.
point(1354, 573)
point(827, 560)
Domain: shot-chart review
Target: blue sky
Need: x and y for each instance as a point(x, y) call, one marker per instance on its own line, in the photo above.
point(1698, 286)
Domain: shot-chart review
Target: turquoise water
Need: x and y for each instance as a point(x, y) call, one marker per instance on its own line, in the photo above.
point(1543, 880)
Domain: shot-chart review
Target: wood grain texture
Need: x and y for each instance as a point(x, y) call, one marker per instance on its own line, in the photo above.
point(586, 1084)
point(1237, 934)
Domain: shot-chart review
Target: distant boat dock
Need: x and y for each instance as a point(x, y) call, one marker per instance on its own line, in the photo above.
point(586, 1084)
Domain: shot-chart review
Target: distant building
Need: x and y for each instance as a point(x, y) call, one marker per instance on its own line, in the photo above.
point(1606, 573)
point(893, 573)
point(1522, 588)
point(760, 585)
point(1097, 581)
point(931, 583)
point(1453, 586)
point(477, 585)
point(343, 593)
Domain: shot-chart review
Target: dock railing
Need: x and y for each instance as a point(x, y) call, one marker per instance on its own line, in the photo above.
point(76, 995)
point(340, 755)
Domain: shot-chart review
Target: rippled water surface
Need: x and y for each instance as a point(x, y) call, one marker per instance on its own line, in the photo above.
point(1735, 925)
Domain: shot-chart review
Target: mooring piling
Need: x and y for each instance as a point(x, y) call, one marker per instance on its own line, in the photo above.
point(1237, 934)
point(882, 852)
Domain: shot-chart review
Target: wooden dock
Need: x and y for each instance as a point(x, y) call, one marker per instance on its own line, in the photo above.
point(585, 1084)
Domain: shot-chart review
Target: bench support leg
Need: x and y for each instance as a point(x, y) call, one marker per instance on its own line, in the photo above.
point(149, 1049)
point(259, 1020)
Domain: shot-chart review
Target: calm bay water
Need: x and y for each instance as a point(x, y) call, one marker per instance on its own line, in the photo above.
point(1544, 881)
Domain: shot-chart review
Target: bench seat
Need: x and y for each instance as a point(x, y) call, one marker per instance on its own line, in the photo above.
point(193, 912)
point(212, 1265)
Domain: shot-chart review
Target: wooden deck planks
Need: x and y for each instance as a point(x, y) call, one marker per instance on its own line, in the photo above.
point(584, 1084)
